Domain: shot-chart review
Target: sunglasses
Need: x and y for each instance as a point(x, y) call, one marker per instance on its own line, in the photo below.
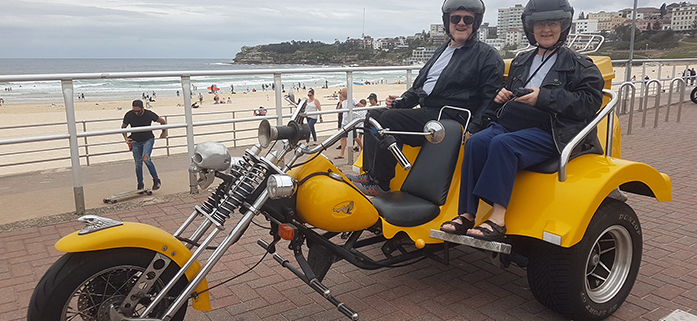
point(468, 20)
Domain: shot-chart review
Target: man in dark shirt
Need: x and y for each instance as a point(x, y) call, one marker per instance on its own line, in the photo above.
point(141, 143)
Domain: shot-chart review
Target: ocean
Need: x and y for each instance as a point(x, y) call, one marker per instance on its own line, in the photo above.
point(119, 89)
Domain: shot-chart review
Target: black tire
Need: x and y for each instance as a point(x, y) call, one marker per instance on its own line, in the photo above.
point(693, 95)
point(78, 282)
point(573, 282)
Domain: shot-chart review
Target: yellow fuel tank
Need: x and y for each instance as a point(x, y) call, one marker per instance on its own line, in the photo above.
point(328, 200)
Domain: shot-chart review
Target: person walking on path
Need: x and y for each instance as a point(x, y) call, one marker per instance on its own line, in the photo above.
point(141, 143)
point(313, 105)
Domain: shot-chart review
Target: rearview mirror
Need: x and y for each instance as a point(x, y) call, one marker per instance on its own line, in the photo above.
point(435, 131)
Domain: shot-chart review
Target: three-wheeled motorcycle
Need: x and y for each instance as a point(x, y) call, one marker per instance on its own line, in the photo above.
point(581, 248)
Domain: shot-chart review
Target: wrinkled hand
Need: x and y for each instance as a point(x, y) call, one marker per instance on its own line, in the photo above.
point(128, 140)
point(531, 98)
point(389, 100)
point(503, 96)
point(163, 134)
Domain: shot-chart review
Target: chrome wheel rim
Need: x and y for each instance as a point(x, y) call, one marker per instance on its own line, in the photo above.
point(91, 299)
point(608, 264)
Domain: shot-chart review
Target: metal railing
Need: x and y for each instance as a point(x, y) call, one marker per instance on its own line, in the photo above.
point(79, 141)
point(67, 89)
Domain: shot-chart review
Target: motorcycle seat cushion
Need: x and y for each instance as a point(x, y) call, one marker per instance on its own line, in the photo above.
point(404, 209)
point(426, 187)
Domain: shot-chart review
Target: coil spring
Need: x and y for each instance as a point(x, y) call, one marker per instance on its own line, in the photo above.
point(242, 189)
point(236, 171)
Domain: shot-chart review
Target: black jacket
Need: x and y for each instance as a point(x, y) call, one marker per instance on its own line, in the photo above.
point(471, 80)
point(572, 92)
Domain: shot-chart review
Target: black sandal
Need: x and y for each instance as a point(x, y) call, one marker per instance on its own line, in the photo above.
point(460, 228)
point(496, 233)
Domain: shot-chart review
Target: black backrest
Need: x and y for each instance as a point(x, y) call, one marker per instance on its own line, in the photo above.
point(430, 176)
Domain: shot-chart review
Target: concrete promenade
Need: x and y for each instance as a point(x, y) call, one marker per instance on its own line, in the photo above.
point(470, 288)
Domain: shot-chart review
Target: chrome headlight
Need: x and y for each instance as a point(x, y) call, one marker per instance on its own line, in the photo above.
point(280, 186)
point(211, 155)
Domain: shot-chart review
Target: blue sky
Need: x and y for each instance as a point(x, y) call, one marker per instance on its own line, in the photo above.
point(185, 29)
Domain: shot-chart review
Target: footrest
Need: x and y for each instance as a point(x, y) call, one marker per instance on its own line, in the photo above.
point(499, 247)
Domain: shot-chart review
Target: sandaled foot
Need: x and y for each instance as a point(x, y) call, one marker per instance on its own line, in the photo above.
point(458, 226)
point(488, 231)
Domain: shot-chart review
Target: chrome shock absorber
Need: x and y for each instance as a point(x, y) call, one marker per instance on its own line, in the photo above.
point(253, 177)
point(236, 172)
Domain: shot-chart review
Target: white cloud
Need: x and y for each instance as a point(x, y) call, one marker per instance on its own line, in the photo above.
point(178, 28)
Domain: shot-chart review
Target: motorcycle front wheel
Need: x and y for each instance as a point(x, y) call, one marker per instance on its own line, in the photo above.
point(83, 286)
point(693, 95)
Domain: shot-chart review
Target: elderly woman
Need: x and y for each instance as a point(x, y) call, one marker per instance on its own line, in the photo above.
point(552, 93)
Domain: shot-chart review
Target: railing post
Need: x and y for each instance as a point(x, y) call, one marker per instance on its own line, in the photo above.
point(657, 104)
point(167, 139)
point(189, 117)
point(408, 79)
point(629, 85)
point(278, 91)
point(87, 151)
point(682, 98)
point(78, 191)
point(234, 131)
point(349, 103)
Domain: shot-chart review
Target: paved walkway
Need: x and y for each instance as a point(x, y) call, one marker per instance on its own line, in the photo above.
point(470, 288)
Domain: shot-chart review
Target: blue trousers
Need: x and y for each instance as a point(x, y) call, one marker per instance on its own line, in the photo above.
point(140, 149)
point(493, 157)
point(312, 122)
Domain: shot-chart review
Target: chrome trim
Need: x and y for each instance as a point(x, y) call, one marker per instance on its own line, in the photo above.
point(94, 223)
point(499, 247)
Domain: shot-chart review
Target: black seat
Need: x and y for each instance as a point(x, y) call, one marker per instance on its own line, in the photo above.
point(427, 184)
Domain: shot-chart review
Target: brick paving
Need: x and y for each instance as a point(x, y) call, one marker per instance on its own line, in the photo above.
point(470, 288)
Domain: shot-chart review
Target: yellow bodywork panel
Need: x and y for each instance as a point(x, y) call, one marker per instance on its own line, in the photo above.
point(143, 236)
point(541, 203)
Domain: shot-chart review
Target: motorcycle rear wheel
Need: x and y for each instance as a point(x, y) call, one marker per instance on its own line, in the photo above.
point(590, 280)
point(693, 95)
point(82, 286)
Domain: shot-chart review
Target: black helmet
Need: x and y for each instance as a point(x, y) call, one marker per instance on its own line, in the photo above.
point(474, 6)
point(546, 10)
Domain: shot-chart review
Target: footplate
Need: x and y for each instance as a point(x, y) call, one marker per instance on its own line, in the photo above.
point(499, 247)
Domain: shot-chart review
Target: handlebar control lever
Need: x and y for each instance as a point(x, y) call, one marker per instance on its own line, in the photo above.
point(397, 153)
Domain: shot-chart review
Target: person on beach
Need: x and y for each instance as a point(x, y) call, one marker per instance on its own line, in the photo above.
point(343, 104)
point(552, 93)
point(464, 72)
point(313, 105)
point(141, 143)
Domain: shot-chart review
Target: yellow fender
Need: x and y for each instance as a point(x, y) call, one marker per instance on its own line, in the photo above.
point(139, 236)
point(544, 208)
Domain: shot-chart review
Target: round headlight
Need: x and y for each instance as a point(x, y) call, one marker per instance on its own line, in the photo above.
point(280, 186)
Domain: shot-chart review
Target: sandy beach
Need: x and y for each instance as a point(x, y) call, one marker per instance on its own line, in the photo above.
point(105, 115)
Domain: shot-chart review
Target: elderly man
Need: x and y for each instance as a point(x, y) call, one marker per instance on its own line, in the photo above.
point(464, 72)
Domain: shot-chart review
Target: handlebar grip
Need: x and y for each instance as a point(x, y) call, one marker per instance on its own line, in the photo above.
point(397, 153)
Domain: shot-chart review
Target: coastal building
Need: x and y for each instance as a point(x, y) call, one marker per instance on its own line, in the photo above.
point(607, 21)
point(483, 31)
point(684, 18)
point(497, 43)
point(509, 18)
point(421, 55)
point(437, 33)
point(587, 26)
point(514, 37)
